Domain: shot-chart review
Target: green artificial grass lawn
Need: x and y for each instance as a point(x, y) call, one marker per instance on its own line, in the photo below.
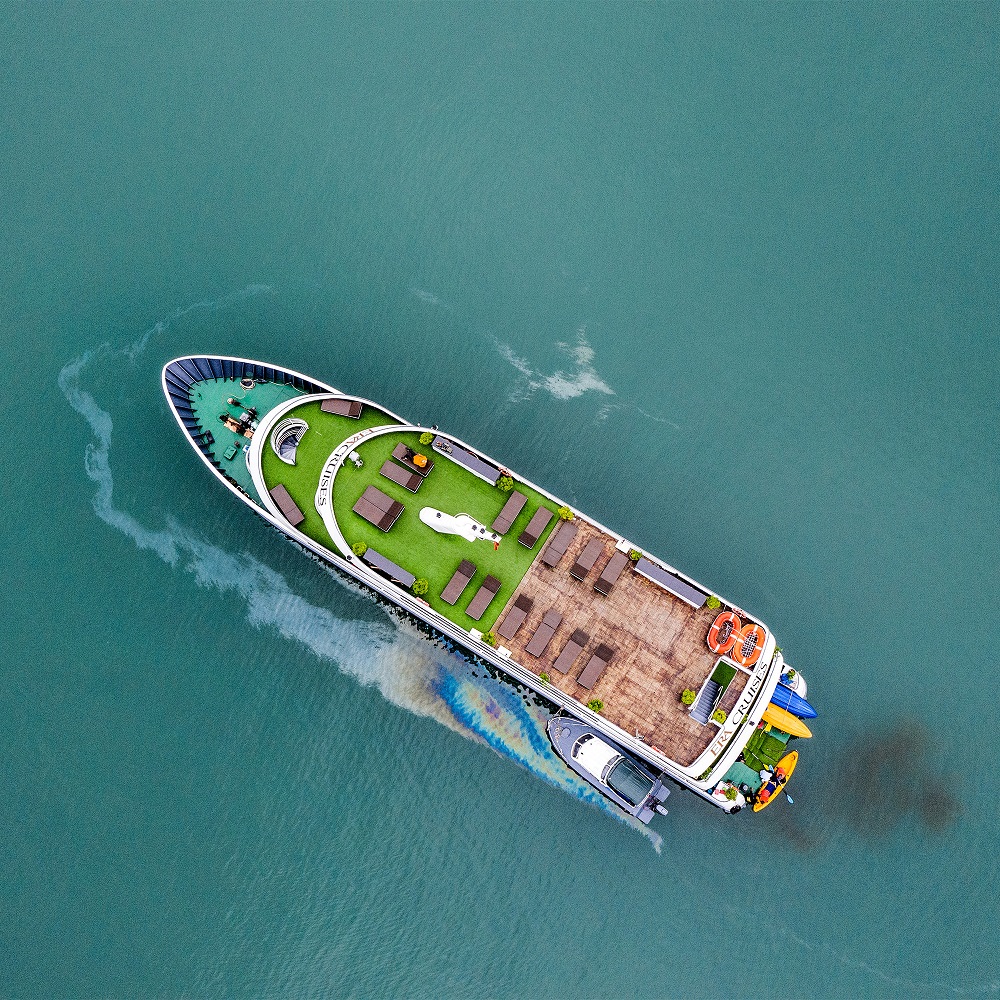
point(409, 543)
point(723, 674)
point(413, 545)
point(326, 431)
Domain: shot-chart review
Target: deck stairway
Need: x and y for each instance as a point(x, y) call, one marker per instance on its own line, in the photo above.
point(702, 709)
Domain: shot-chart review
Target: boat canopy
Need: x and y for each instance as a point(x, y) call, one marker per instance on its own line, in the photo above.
point(594, 755)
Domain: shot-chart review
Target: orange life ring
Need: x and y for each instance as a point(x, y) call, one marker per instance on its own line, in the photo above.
point(720, 637)
point(749, 644)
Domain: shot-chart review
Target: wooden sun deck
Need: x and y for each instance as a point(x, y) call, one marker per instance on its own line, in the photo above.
point(659, 644)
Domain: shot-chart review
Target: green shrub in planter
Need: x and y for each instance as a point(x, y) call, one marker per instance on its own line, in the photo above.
point(426, 437)
point(719, 716)
point(420, 587)
point(595, 704)
point(731, 793)
point(634, 554)
point(713, 602)
point(543, 677)
point(688, 696)
point(505, 484)
point(565, 514)
point(359, 549)
point(491, 639)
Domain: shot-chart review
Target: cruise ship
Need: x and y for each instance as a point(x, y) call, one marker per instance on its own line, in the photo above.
point(675, 683)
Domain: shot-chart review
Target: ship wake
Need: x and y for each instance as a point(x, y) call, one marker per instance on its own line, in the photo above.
point(410, 672)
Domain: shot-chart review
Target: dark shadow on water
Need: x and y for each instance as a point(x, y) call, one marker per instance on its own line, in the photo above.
point(883, 779)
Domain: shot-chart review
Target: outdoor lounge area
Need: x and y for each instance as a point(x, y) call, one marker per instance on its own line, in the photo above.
point(621, 648)
point(393, 526)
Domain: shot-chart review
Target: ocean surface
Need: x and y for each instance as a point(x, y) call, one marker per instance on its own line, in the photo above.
point(722, 276)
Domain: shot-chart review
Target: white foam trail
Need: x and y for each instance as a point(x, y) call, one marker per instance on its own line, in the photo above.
point(429, 298)
point(561, 384)
point(564, 385)
point(392, 656)
point(399, 664)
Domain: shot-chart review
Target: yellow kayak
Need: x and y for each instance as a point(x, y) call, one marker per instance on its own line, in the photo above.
point(786, 722)
point(769, 792)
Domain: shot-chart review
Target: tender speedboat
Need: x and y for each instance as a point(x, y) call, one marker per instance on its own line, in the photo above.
point(613, 772)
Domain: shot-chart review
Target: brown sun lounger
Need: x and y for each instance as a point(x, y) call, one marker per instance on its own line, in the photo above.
point(559, 542)
point(610, 574)
point(288, 507)
point(403, 453)
point(375, 496)
point(508, 515)
point(484, 595)
point(543, 634)
point(588, 557)
point(538, 523)
point(515, 617)
point(572, 649)
point(458, 582)
point(593, 670)
point(397, 474)
point(342, 407)
point(382, 519)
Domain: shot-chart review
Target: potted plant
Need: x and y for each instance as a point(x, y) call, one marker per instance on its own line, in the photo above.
point(359, 549)
point(713, 602)
point(565, 514)
point(426, 438)
point(543, 677)
point(595, 704)
point(634, 554)
point(490, 638)
point(731, 793)
point(688, 696)
point(719, 716)
point(505, 484)
point(420, 587)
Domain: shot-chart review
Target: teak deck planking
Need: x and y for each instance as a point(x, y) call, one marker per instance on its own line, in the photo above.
point(659, 644)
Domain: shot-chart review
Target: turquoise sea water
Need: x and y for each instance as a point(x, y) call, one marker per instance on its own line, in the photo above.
point(739, 260)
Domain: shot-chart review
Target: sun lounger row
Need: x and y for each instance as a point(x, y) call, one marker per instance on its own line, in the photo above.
point(560, 541)
point(570, 653)
point(402, 453)
point(543, 634)
point(342, 407)
point(508, 515)
point(288, 507)
point(538, 523)
point(403, 477)
point(458, 582)
point(378, 509)
point(596, 665)
point(588, 558)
